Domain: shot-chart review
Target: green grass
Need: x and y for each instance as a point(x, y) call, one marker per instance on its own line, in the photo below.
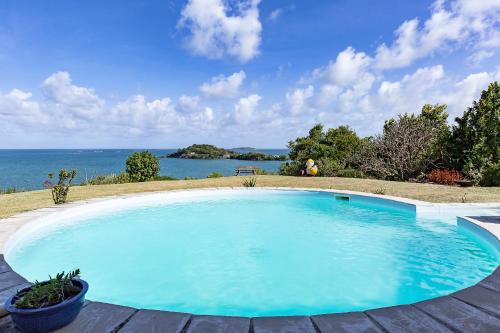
point(14, 203)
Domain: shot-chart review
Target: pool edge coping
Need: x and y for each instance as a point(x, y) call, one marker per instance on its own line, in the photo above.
point(17, 221)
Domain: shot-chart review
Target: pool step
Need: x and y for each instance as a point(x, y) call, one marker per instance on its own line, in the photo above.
point(342, 197)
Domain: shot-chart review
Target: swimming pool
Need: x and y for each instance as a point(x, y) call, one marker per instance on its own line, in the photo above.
point(254, 253)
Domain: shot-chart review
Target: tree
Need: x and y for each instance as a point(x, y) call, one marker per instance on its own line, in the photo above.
point(475, 139)
point(404, 149)
point(331, 150)
point(437, 117)
point(142, 166)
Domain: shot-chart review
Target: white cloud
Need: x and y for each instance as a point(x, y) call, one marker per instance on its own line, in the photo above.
point(451, 23)
point(78, 101)
point(189, 103)
point(217, 29)
point(297, 100)
point(347, 68)
point(479, 56)
point(223, 86)
point(17, 107)
point(275, 14)
point(465, 91)
point(138, 116)
point(245, 108)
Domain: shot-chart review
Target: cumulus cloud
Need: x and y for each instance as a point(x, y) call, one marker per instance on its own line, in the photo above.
point(217, 29)
point(81, 102)
point(17, 107)
point(66, 106)
point(451, 23)
point(223, 86)
point(347, 68)
point(298, 99)
point(245, 108)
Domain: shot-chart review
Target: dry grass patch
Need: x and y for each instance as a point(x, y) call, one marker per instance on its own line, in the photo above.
point(11, 204)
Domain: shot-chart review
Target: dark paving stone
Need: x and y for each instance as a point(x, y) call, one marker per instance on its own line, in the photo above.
point(492, 281)
point(10, 279)
point(487, 219)
point(406, 318)
point(99, 317)
point(459, 315)
point(481, 297)
point(7, 325)
point(4, 267)
point(292, 324)
point(350, 322)
point(153, 321)
point(218, 324)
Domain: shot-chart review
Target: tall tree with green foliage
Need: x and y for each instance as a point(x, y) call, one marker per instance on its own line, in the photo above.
point(475, 139)
point(142, 166)
point(332, 150)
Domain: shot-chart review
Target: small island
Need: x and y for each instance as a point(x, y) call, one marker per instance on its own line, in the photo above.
point(210, 152)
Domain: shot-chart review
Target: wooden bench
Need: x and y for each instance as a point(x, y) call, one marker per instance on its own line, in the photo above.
point(245, 170)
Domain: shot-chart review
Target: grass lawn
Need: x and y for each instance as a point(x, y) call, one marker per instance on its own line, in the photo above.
point(11, 204)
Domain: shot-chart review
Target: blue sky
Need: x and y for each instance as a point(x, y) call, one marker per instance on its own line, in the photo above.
point(161, 74)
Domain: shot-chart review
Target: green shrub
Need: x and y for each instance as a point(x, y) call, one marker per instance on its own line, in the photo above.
point(142, 166)
point(165, 178)
point(48, 293)
point(215, 175)
point(261, 172)
point(351, 173)
point(328, 167)
point(9, 190)
point(250, 182)
point(190, 178)
point(490, 174)
point(61, 189)
point(120, 178)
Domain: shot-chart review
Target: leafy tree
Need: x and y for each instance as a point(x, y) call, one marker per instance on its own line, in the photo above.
point(142, 166)
point(437, 117)
point(331, 150)
point(475, 139)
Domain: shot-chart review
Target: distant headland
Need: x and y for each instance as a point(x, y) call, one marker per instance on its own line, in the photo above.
point(210, 152)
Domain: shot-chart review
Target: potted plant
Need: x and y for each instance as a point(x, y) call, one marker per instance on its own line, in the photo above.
point(49, 305)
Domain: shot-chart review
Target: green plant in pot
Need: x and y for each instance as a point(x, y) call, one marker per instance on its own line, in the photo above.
point(48, 305)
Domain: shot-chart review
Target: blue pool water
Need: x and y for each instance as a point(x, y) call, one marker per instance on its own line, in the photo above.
point(259, 253)
point(28, 169)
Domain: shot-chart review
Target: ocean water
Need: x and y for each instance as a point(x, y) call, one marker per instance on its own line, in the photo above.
point(257, 253)
point(28, 169)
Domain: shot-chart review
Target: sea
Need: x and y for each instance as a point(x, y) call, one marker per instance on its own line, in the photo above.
point(27, 169)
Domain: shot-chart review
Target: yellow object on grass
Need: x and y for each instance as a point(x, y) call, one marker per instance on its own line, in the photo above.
point(312, 171)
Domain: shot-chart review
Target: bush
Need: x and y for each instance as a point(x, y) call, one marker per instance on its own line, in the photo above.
point(351, 173)
point(328, 168)
point(9, 190)
point(165, 178)
point(444, 176)
point(61, 189)
point(120, 178)
point(250, 182)
point(335, 148)
point(142, 166)
point(261, 172)
point(215, 175)
point(490, 174)
point(52, 292)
